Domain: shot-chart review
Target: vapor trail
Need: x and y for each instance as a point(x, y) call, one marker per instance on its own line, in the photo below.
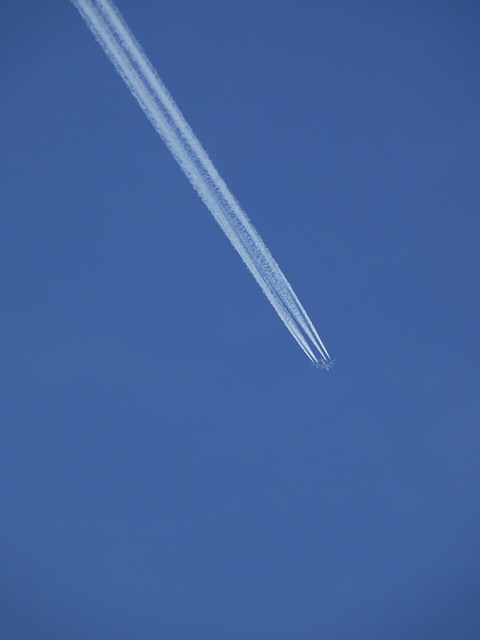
point(109, 28)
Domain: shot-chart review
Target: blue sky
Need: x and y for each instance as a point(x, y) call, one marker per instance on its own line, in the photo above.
point(172, 465)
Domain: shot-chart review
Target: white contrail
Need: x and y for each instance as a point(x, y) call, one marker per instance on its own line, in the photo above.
point(109, 28)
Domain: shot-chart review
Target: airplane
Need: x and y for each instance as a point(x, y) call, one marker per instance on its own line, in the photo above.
point(324, 364)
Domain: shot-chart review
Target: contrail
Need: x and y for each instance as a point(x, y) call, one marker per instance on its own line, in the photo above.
point(109, 28)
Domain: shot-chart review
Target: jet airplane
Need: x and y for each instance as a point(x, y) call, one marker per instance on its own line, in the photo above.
point(324, 364)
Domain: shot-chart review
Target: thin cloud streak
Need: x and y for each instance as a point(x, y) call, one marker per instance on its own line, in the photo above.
point(109, 28)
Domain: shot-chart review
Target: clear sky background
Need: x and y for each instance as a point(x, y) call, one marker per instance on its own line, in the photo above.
point(171, 464)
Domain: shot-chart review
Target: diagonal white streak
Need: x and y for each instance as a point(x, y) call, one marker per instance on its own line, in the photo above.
point(109, 28)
